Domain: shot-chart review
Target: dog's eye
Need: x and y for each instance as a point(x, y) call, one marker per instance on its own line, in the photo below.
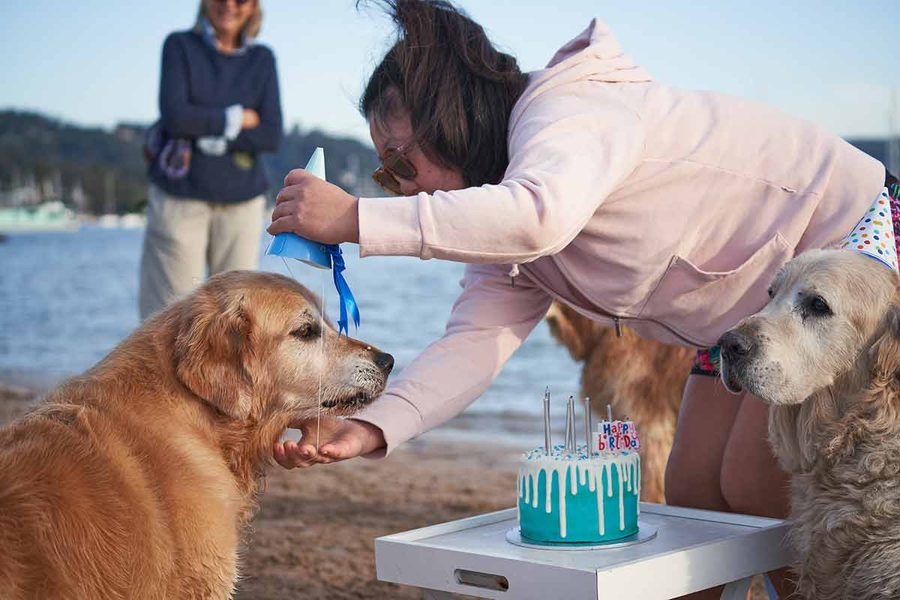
point(818, 307)
point(771, 292)
point(307, 331)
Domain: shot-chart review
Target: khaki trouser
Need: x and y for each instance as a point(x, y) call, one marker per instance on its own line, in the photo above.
point(185, 236)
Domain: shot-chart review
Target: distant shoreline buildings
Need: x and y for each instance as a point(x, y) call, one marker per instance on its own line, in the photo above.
point(101, 172)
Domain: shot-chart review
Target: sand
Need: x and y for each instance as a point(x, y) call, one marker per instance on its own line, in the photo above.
point(314, 534)
point(313, 537)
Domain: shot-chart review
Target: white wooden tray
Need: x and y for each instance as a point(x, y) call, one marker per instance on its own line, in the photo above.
point(693, 550)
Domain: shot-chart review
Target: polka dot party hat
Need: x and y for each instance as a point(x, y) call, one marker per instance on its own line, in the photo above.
point(874, 234)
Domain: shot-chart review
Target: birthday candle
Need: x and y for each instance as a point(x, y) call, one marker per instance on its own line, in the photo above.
point(547, 444)
point(587, 425)
point(570, 425)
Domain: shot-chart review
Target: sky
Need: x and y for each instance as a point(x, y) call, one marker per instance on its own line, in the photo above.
point(96, 62)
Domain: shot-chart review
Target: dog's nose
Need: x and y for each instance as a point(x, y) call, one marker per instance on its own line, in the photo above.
point(736, 345)
point(384, 361)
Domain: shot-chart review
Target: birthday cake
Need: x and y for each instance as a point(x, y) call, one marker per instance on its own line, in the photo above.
point(582, 494)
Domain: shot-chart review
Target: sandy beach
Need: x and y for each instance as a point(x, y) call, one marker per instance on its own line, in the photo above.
point(313, 535)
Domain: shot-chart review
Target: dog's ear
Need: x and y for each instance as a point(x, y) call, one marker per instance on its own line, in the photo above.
point(562, 323)
point(210, 345)
point(783, 436)
point(793, 430)
point(884, 353)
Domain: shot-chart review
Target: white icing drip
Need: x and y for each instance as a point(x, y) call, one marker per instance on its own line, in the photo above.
point(583, 470)
point(637, 488)
point(608, 467)
point(547, 489)
point(601, 515)
point(621, 472)
point(562, 501)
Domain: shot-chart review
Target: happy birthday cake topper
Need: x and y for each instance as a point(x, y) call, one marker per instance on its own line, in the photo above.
point(615, 436)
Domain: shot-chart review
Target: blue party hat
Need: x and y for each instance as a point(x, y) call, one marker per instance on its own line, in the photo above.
point(291, 245)
point(319, 255)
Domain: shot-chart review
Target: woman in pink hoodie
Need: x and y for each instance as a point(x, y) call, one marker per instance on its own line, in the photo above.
point(588, 183)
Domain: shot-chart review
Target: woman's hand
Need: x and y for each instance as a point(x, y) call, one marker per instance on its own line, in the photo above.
point(315, 209)
point(251, 119)
point(339, 439)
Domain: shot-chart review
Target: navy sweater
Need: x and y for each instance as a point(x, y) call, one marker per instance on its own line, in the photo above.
point(198, 83)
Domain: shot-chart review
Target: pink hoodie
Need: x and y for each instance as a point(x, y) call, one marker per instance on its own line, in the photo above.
point(665, 210)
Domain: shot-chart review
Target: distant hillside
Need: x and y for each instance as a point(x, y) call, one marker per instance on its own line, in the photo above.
point(41, 158)
point(99, 171)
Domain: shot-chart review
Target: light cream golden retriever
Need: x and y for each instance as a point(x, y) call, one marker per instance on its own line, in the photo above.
point(137, 479)
point(825, 354)
point(642, 380)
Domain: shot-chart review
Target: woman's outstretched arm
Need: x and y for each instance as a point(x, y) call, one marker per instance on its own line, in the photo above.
point(567, 154)
point(489, 321)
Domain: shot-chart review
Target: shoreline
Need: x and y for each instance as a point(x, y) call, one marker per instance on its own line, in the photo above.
point(314, 533)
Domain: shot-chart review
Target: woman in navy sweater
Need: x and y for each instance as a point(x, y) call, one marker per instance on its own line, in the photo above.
point(220, 109)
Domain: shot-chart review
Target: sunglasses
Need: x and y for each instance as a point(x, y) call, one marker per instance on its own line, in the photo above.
point(394, 166)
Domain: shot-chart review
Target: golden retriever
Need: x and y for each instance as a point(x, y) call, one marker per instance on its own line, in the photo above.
point(641, 379)
point(825, 354)
point(137, 479)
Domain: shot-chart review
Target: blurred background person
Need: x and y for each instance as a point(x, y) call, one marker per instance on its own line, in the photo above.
point(220, 107)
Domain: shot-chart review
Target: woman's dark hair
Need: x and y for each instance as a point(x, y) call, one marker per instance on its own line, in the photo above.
point(458, 88)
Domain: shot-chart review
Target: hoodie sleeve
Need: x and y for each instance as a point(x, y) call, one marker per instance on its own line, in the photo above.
point(488, 322)
point(568, 151)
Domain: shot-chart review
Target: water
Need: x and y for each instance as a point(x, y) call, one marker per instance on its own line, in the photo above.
point(66, 298)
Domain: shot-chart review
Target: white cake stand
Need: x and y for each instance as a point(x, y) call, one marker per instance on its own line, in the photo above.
point(645, 533)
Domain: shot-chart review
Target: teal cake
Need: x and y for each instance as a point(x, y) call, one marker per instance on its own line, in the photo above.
point(576, 498)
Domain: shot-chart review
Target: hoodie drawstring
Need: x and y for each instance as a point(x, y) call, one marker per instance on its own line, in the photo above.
point(513, 273)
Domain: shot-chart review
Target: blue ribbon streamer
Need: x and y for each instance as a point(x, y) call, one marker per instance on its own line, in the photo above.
point(348, 302)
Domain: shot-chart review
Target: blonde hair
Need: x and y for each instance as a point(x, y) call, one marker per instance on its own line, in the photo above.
point(251, 28)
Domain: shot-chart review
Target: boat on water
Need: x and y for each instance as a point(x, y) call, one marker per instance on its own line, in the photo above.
point(124, 221)
point(48, 216)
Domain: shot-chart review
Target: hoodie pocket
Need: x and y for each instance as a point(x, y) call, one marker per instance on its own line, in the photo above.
point(702, 305)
